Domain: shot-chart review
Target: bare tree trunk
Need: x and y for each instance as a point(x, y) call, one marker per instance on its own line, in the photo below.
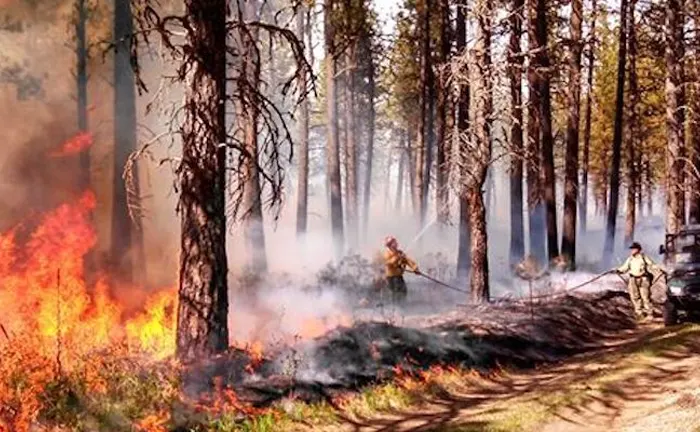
point(430, 120)
point(351, 183)
point(617, 138)
point(247, 116)
point(423, 141)
point(479, 158)
point(632, 142)
point(675, 210)
point(464, 247)
point(127, 236)
point(303, 125)
point(568, 242)
point(548, 180)
point(583, 195)
point(694, 114)
point(332, 153)
point(82, 81)
point(515, 75)
point(442, 198)
point(403, 155)
point(203, 299)
point(370, 134)
point(535, 196)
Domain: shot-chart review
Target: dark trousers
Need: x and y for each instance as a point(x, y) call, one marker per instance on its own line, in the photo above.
point(398, 289)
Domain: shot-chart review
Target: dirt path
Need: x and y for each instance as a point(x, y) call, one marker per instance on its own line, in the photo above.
point(646, 380)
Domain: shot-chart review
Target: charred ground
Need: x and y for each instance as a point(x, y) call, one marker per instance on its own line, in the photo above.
point(349, 358)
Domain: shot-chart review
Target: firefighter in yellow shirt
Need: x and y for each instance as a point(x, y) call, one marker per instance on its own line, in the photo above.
point(395, 264)
point(639, 267)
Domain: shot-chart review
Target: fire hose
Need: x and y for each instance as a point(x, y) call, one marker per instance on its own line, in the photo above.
point(565, 291)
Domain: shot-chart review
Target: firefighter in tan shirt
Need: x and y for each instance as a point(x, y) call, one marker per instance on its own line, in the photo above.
point(639, 267)
point(395, 264)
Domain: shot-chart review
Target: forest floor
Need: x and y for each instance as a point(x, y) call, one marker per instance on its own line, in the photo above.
point(645, 379)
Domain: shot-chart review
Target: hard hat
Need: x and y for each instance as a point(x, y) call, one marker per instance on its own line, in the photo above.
point(636, 245)
point(389, 240)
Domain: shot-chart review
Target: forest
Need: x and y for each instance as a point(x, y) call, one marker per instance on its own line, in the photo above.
point(197, 185)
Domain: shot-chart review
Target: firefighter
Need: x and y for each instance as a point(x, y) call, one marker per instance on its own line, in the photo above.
point(395, 264)
point(638, 266)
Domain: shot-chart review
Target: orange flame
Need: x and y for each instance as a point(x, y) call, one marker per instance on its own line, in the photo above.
point(77, 144)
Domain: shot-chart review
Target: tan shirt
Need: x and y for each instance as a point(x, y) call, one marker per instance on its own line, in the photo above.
point(637, 265)
point(395, 263)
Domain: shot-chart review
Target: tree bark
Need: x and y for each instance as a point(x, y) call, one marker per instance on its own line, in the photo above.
point(423, 141)
point(464, 245)
point(303, 133)
point(332, 150)
point(568, 242)
point(371, 124)
point(614, 185)
point(515, 75)
point(480, 158)
point(127, 237)
point(430, 120)
point(583, 195)
point(694, 113)
point(203, 293)
point(675, 209)
point(442, 197)
point(403, 155)
point(548, 179)
point(82, 81)
point(632, 141)
point(535, 193)
point(248, 116)
point(351, 183)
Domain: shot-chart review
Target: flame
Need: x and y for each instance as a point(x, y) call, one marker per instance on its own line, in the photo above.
point(55, 322)
point(77, 144)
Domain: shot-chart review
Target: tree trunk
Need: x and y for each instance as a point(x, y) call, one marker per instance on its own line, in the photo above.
point(82, 81)
point(674, 117)
point(303, 132)
point(442, 198)
point(694, 114)
point(430, 120)
point(583, 195)
point(351, 183)
point(203, 294)
point(247, 116)
point(548, 179)
point(515, 71)
point(464, 245)
point(535, 197)
point(332, 150)
point(403, 155)
point(614, 185)
point(632, 142)
point(568, 242)
point(371, 89)
point(423, 141)
point(127, 239)
point(480, 158)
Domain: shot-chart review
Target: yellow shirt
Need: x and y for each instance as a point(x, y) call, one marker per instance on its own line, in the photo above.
point(395, 263)
point(637, 265)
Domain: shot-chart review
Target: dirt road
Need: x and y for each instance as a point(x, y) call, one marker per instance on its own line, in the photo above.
point(648, 379)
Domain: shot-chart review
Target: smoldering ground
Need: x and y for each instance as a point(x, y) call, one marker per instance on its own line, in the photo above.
point(350, 357)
